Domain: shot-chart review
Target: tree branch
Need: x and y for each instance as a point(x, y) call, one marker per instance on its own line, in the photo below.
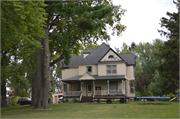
point(57, 60)
point(53, 21)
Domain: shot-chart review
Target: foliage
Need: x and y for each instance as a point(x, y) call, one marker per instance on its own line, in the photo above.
point(124, 49)
point(14, 100)
point(142, 81)
point(146, 53)
point(138, 94)
point(89, 45)
point(169, 67)
point(171, 95)
point(19, 27)
point(138, 68)
point(66, 100)
point(171, 24)
point(73, 23)
point(156, 84)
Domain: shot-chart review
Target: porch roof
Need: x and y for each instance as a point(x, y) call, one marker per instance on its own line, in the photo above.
point(76, 78)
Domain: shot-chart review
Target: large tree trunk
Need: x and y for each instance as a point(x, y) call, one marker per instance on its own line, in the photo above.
point(46, 71)
point(41, 81)
point(3, 93)
point(37, 80)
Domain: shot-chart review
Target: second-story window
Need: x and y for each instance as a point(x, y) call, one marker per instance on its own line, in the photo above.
point(111, 69)
point(89, 69)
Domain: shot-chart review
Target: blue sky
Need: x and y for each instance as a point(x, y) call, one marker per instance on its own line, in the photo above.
point(142, 19)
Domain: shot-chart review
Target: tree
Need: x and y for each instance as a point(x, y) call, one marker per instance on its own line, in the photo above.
point(89, 45)
point(142, 82)
point(124, 49)
point(171, 24)
point(19, 27)
point(146, 53)
point(70, 23)
point(169, 67)
point(156, 85)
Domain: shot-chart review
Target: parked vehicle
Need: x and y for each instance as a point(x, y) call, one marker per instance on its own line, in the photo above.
point(24, 100)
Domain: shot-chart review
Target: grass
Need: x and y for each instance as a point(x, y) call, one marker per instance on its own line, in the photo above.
point(93, 110)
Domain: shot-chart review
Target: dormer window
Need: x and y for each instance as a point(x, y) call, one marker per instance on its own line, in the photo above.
point(110, 57)
point(89, 69)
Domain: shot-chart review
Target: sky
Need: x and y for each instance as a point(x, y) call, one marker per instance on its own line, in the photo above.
point(142, 20)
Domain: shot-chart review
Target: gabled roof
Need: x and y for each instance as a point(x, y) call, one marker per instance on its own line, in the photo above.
point(129, 58)
point(88, 51)
point(95, 55)
point(74, 61)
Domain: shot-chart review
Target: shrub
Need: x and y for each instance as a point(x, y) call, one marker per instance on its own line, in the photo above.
point(14, 100)
point(66, 100)
point(138, 94)
point(171, 95)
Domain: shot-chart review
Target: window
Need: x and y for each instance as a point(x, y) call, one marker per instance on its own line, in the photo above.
point(110, 57)
point(113, 85)
point(131, 85)
point(89, 69)
point(89, 87)
point(111, 69)
point(65, 87)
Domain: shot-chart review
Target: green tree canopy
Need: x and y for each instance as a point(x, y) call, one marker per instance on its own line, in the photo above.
point(21, 21)
point(169, 67)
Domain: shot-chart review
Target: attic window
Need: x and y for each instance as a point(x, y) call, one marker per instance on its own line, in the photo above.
point(89, 69)
point(110, 57)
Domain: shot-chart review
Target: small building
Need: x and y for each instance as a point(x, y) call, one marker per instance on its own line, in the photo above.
point(56, 96)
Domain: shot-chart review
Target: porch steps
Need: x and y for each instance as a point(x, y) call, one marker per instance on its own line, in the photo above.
point(86, 99)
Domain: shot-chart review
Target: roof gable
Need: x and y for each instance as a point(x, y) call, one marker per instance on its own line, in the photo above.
point(96, 54)
point(111, 56)
point(87, 76)
point(129, 58)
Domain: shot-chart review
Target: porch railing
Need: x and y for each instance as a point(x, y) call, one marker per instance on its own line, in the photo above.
point(101, 92)
point(111, 92)
point(115, 92)
point(71, 93)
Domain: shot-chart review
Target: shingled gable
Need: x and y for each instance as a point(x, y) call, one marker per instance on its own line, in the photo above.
point(129, 58)
point(96, 54)
point(123, 60)
point(74, 61)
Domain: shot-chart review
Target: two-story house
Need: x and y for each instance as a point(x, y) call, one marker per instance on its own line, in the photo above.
point(99, 71)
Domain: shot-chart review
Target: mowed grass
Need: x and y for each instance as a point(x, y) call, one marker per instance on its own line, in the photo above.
point(93, 110)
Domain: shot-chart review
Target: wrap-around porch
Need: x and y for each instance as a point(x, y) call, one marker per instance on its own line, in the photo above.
point(92, 88)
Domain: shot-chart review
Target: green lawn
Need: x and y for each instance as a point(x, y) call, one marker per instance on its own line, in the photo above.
point(93, 110)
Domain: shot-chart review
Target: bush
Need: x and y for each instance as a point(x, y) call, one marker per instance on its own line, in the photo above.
point(14, 100)
point(138, 94)
point(171, 95)
point(66, 100)
point(75, 100)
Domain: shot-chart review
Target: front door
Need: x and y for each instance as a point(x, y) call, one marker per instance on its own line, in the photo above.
point(88, 89)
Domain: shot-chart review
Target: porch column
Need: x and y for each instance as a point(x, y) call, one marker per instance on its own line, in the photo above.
point(122, 87)
point(93, 87)
point(81, 86)
point(125, 87)
point(108, 86)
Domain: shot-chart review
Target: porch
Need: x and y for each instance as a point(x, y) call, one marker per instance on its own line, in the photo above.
point(100, 86)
